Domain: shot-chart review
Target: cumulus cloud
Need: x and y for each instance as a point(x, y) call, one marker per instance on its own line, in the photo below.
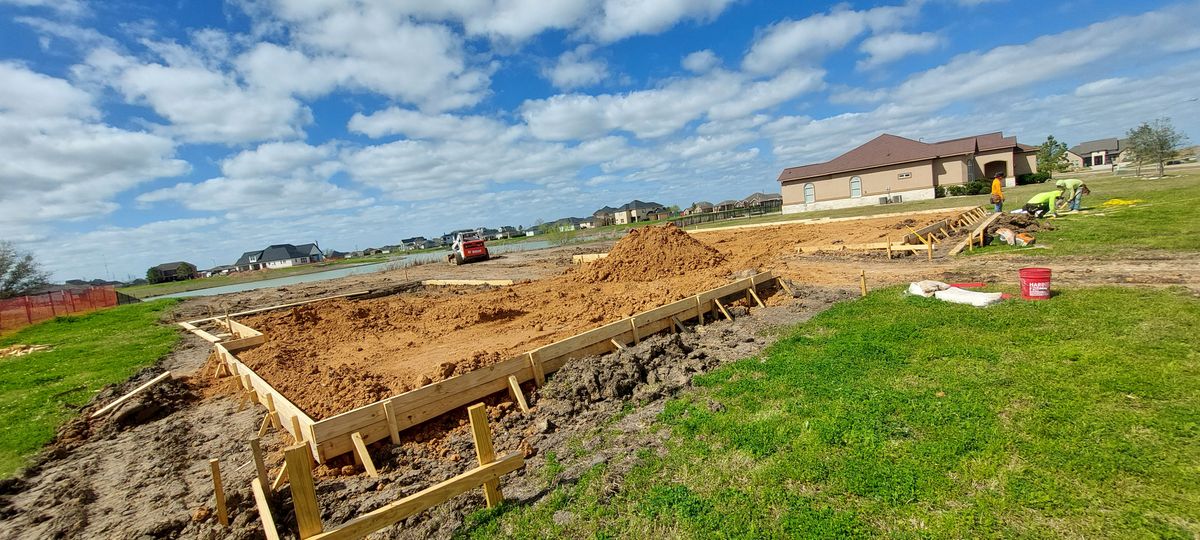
point(700, 61)
point(624, 18)
point(808, 40)
point(576, 68)
point(886, 48)
point(417, 125)
point(70, 8)
point(58, 162)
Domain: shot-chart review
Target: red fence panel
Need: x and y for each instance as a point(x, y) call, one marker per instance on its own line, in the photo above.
point(25, 310)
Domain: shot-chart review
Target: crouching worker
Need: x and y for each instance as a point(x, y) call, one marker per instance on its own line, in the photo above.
point(1073, 192)
point(1043, 203)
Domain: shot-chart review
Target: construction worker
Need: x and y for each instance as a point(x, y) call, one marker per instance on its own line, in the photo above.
point(997, 192)
point(1073, 191)
point(1043, 203)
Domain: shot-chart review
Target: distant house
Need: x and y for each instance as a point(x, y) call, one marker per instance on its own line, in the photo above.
point(1099, 155)
point(569, 224)
point(702, 207)
point(279, 256)
point(218, 270)
point(604, 216)
point(762, 200)
point(889, 169)
point(726, 205)
point(172, 271)
point(635, 211)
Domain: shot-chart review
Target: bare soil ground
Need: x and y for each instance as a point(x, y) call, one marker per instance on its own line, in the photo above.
point(142, 471)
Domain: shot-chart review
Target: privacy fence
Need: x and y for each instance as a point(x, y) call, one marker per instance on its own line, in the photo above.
point(23, 311)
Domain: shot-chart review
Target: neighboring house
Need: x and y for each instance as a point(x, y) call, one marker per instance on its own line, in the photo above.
point(725, 206)
point(175, 271)
point(604, 216)
point(891, 168)
point(568, 224)
point(1101, 154)
point(635, 211)
point(661, 213)
point(279, 256)
point(508, 231)
point(702, 207)
point(587, 223)
point(762, 200)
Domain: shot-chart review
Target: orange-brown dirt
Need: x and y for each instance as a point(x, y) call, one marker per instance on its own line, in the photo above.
point(332, 356)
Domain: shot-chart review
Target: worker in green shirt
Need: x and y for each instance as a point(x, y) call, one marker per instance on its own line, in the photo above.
point(1043, 203)
point(1073, 191)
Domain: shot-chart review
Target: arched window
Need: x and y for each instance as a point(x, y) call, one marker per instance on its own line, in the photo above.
point(855, 186)
point(810, 194)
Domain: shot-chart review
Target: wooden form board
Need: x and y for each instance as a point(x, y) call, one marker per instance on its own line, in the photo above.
point(272, 308)
point(285, 408)
point(469, 282)
point(587, 257)
point(332, 436)
point(925, 231)
point(861, 247)
point(974, 232)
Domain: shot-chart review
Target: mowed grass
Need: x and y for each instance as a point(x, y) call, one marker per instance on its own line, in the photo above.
point(1166, 220)
point(908, 417)
point(171, 287)
point(39, 391)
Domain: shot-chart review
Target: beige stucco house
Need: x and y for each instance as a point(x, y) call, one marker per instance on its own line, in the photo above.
point(893, 169)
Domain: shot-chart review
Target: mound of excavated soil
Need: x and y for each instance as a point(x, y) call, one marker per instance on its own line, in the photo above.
point(651, 253)
point(1022, 223)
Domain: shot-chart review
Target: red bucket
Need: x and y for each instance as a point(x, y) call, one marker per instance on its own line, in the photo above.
point(1035, 283)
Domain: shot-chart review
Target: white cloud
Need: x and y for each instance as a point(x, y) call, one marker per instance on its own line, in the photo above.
point(57, 162)
point(1102, 86)
point(416, 125)
point(766, 94)
point(72, 8)
point(886, 48)
point(576, 68)
point(700, 61)
point(807, 41)
point(200, 104)
point(624, 18)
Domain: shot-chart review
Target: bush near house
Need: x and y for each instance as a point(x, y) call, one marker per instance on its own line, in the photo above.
point(1032, 178)
point(970, 188)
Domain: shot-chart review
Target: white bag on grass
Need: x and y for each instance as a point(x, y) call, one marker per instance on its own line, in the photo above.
point(962, 296)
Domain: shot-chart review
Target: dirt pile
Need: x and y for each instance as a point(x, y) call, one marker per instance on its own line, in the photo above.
point(1020, 223)
point(650, 253)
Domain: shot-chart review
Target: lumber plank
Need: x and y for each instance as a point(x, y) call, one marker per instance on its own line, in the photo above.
point(620, 346)
point(722, 308)
point(265, 425)
point(363, 455)
point(264, 510)
point(482, 433)
point(970, 240)
point(539, 375)
point(678, 324)
point(280, 478)
point(105, 409)
point(468, 282)
point(514, 387)
point(280, 306)
point(214, 465)
point(198, 332)
point(422, 500)
point(389, 412)
point(862, 281)
point(587, 257)
point(260, 466)
point(245, 343)
point(298, 462)
point(274, 414)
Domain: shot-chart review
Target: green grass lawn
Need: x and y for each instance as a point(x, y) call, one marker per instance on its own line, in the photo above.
point(912, 418)
point(1165, 221)
point(39, 391)
point(170, 287)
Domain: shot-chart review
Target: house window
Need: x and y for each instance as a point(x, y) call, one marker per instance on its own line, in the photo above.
point(855, 187)
point(810, 194)
point(904, 175)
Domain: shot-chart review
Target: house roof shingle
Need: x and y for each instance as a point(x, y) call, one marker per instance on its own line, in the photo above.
point(1106, 145)
point(171, 266)
point(888, 149)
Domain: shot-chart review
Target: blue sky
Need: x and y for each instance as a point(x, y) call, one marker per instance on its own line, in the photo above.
point(138, 133)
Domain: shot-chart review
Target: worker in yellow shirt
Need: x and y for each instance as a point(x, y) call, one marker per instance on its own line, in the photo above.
point(1073, 191)
point(1043, 203)
point(998, 192)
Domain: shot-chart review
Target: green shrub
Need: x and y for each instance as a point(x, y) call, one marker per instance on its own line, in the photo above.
point(939, 192)
point(970, 188)
point(1032, 178)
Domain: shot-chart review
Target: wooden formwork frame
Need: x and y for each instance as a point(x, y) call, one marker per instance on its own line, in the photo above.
point(335, 435)
point(920, 240)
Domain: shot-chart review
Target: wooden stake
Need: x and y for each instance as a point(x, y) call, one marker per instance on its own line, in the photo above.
point(754, 295)
point(514, 388)
point(722, 308)
point(930, 252)
point(280, 478)
point(103, 410)
point(265, 425)
point(274, 413)
point(222, 512)
point(862, 281)
point(633, 324)
point(264, 509)
point(484, 451)
point(536, 366)
point(298, 462)
point(699, 310)
point(361, 450)
point(389, 411)
point(678, 324)
point(259, 465)
point(297, 433)
point(785, 286)
point(889, 247)
point(620, 346)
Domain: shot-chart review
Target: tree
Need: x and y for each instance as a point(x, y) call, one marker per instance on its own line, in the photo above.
point(19, 271)
point(1155, 143)
point(1052, 156)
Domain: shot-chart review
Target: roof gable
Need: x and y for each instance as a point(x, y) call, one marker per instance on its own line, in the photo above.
point(888, 149)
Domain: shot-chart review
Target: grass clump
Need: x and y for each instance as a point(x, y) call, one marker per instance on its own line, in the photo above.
point(909, 417)
point(40, 391)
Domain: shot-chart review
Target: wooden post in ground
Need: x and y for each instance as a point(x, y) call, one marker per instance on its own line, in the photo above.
point(678, 324)
point(722, 308)
point(273, 414)
point(298, 463)
point(484, 451)
point(260, 466)
point(514, 388)
point(538, 374)
point(930, 246)
point(264, 509)
point(360, 448)
point(222, 512)
point(889, 247)
point(389, 411)
point(633, 325)
point(862, 281)
point(699, 310)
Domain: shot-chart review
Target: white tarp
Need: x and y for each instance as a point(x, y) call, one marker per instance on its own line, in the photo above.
point(946, 293)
